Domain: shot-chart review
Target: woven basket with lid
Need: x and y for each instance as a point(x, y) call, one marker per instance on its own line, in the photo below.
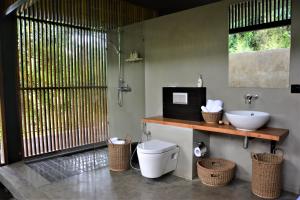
point(119, 156)
point(266, 175)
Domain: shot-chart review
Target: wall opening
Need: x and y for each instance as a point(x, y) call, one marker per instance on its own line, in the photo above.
point(259, 44)
point(62, 48)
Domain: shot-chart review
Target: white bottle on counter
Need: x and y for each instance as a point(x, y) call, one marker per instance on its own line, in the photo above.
point(200, 81)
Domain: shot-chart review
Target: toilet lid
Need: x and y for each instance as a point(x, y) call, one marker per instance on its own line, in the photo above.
point(155, 146)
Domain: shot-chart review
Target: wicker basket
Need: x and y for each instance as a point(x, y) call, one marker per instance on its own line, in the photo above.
point(119, 156)
point(212, 117)
point(215, 171)
point(266, 175)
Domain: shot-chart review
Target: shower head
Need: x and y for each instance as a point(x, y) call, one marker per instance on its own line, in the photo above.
point(114, 47)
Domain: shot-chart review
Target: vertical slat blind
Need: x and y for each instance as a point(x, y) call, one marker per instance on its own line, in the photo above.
point(63, 61)
point(259, 14)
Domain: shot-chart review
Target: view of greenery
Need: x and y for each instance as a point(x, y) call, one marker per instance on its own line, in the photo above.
point(265, 39)
point(62, 74)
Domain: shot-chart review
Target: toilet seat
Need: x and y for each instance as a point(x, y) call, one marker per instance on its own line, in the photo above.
point(155, 147)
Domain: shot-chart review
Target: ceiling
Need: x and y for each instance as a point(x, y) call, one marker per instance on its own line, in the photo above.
point(170, 6)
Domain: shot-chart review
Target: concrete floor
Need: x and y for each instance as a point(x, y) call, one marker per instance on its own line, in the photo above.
point(5, 194)
point(25, 183)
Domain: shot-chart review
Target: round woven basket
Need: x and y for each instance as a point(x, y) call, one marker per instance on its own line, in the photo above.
point(119, 156)
point(266, 175)
point(215, 171)
point(212, 117)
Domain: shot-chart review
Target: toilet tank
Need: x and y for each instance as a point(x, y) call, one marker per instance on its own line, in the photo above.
point(183, 102)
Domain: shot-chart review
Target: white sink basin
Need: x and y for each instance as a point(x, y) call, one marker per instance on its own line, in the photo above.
point(247, 120)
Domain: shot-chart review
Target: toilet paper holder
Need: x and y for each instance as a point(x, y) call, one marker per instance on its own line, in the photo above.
point(200, 150)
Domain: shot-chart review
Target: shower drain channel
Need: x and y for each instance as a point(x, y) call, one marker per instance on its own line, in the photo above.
point(59, 168)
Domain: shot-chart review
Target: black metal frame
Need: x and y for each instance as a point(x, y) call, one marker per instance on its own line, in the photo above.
point(273, 146)
point(252, 15)
point(60, 24)
point(9, 64)
point(65, 152)
point(261, 26)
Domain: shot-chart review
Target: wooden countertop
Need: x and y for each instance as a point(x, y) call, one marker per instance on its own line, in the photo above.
point(273, 134)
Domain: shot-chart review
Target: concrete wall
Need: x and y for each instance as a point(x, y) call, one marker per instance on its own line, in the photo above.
point(181, 45)
point(126, 120)
point(184, 139)
point(263, 69)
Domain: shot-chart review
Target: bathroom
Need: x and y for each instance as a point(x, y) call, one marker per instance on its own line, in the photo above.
point(201, 47)
point(173, 50)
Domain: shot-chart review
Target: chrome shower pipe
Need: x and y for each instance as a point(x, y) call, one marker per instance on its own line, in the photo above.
point(121, 77)
point(122, 86)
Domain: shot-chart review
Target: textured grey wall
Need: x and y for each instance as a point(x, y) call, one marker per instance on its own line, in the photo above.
point(126, 120)
point(263, 69)
point(181, 45)
point(184, 139)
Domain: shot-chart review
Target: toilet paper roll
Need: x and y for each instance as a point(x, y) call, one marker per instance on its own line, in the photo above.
point(197, 152)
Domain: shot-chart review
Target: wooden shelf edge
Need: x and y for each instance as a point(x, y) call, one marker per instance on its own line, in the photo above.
point(271, 134)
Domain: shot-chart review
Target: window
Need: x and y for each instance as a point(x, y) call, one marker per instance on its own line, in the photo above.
point(260, 40)
point(259, 43)
point(63, 86)
point(62, 70)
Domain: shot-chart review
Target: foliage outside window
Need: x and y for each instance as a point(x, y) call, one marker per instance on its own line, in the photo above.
point(260, 59)
point(266, 39)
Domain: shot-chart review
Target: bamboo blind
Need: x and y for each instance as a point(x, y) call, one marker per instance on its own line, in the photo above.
point(96, 14)
point(258, 14)
point(62, 70)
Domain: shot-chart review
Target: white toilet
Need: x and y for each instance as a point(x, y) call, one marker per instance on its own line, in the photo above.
point(157, 158)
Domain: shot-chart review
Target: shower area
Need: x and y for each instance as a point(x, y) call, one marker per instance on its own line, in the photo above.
point(76, 81)
point(126, 81)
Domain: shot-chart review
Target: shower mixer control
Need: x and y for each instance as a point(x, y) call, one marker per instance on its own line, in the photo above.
point(123, 87)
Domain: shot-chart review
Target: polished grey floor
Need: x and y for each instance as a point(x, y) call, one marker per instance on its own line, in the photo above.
point(5, 194)
point(26, 183)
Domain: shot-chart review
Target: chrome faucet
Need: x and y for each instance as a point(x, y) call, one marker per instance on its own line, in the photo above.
point(250, 97)
point(123, 87)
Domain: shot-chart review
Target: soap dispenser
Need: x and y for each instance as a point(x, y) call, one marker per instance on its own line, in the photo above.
point(200, 81)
